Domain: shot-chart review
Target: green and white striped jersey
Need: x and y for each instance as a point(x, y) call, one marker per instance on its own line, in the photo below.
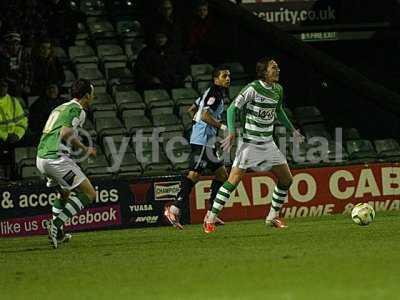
point(259, 105)
point(70, 114)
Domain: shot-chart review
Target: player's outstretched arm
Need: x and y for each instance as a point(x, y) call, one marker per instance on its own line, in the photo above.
point(231, 120)
point(282, 117)
point(210, 120)
point(67, 135)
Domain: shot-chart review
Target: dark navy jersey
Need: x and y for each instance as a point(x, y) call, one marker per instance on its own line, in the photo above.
point(212, 101)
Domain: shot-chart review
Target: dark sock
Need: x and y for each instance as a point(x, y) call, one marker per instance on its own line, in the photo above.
point(215, 185)
point(183, 195)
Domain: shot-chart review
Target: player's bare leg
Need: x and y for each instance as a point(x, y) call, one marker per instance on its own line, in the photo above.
point(279, 196)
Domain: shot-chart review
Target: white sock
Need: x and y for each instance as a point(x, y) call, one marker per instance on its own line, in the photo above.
point(272, 214)
point(175, 210)
point(211, 217)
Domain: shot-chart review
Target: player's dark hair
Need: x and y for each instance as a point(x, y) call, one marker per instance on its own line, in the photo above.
point(199, 3)
point(218, 70)
point(80, 88)
point(261, 66)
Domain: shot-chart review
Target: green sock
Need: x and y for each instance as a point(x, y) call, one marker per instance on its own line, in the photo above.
point(222, 197)
point(58, 206)
point(74, 205)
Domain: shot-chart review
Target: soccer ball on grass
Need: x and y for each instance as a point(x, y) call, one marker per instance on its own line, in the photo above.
point(363, 214)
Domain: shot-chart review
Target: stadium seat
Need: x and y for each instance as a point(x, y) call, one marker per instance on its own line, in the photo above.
point(197, 70)
point(25, 154)
point(132, 106)
point(109, 126)
point(316, 131)
point(109, 50)
point(30, 172)
point(185, 102)
point(129, 96)
point(110, 142)
point(300, 157)
point(118, 74)
point(97, 166)
point(202, 86)
point(91, 73)
point(111, 53)
point(184, 93)
point(102, 101)
point(337, 154)
point(101, 29)
point(89, 127)
point(82, 39)
point(387, 148)
point(351, 134)
point(360, 149)
point(307, 115)
point(165, 119)
point(129, 171)
point(128, 28)
point(69, 78)
point(128, 100)
point(158, 170)
point(234, 91)
point(155, 95)
point(238, 74)
point(138, 122)
point(161, 104)
point(82, 54)
point(133, 113)
point(102, 98)
point(104, 114)
point(162, 111)
point(121, 88)
point(61, 55)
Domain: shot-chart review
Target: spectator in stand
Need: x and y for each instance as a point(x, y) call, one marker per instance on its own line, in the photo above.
point(62, 22)
point(198, 34)
point(167, 20)
point(29, 19)
point(160, 65)
point(206, 36)
point(13, 122)
point(15, 65)
point(45, 67)
point(41, 109)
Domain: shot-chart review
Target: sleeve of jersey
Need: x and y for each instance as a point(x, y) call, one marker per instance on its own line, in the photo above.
point(243, 97)
point(238, 103)
point(231, 117)
point(211, 103)
point(281, 115)
point(72, 118)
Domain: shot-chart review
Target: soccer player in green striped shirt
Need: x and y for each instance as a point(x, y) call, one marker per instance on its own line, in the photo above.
point(53, 158)
point(258, 103)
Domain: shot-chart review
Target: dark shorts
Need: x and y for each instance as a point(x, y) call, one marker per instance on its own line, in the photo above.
point(203, 157)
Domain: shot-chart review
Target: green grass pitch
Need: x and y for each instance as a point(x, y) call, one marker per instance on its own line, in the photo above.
point(315, 258)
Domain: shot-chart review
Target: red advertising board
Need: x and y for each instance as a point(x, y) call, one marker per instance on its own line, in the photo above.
point(314, 192)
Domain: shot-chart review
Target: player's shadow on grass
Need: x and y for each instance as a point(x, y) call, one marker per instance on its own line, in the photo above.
point(44, 248)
